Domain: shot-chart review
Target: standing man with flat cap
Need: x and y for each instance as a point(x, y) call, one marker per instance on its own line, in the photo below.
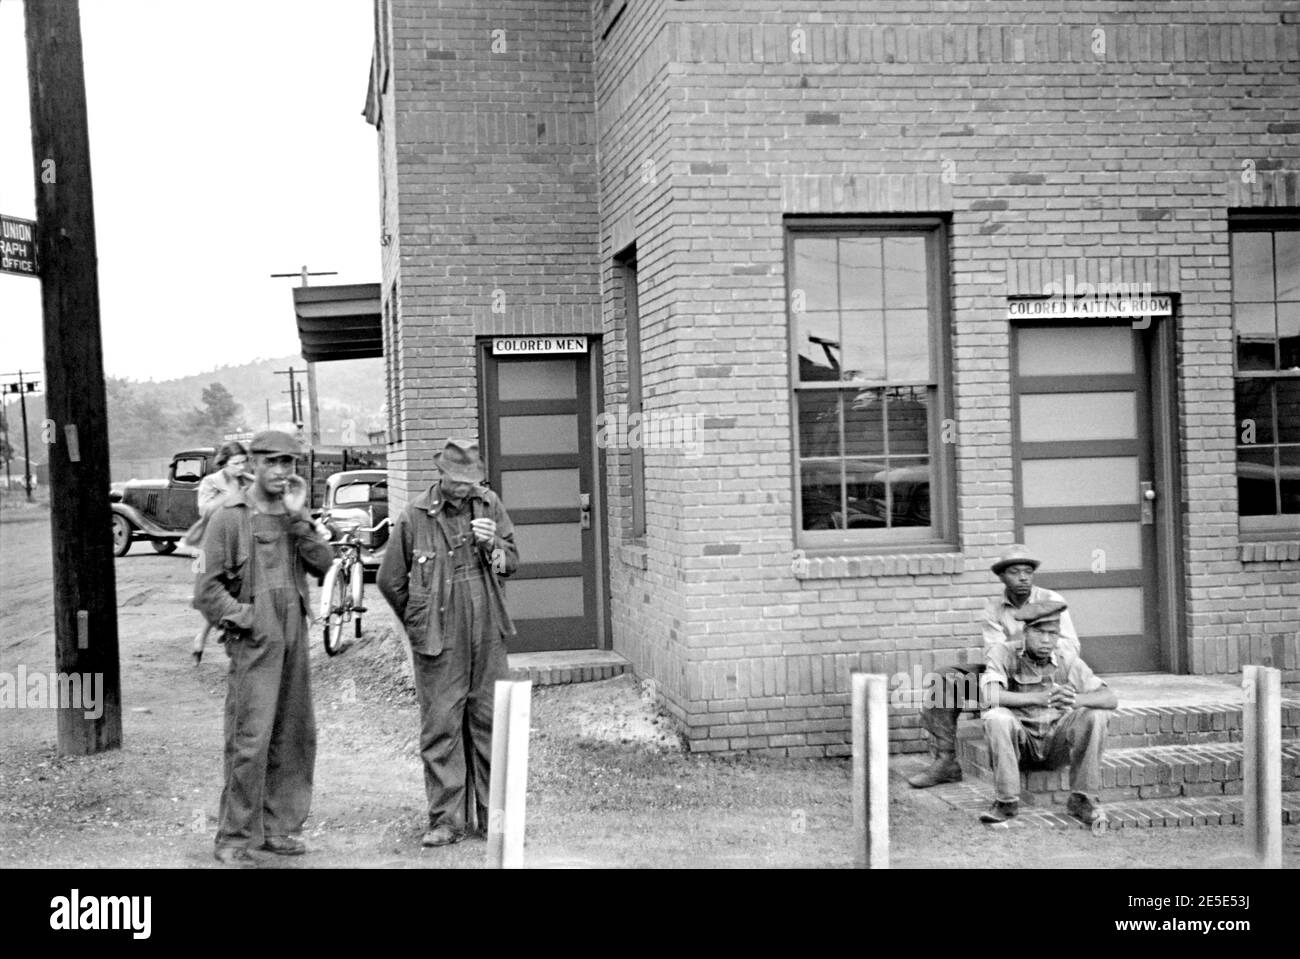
point(1015, 567)
point(1047, 708)
point(442, 575)
point(257, 550)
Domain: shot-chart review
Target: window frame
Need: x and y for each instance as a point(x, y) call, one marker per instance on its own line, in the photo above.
point(1276, 526)
point(941, 534)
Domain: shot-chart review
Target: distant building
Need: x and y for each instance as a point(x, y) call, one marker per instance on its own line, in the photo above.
point(776, 326)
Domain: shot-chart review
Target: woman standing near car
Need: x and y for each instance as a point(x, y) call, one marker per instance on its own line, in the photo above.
point(231, 474)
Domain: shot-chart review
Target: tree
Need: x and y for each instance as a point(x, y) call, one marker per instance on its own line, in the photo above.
point(220, 413)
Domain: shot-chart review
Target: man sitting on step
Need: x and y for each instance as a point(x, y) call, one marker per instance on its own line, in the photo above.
point(1048, 708)
point(1016, 568)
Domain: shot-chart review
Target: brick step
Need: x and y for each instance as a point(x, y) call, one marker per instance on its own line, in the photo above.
point(975, 797)
point(567, 666)
point(1136, 726)
point(1146, 772)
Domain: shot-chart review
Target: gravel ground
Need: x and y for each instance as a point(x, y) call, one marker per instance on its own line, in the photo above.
point(609, 781)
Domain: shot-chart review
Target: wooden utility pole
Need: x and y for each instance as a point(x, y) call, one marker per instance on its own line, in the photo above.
point(312, 398)
point(85, 585)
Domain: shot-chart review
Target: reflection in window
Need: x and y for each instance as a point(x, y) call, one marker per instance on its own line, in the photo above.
point(1266, 327)
point(863, 320)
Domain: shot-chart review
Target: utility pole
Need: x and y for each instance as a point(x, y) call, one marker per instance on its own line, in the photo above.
point(22, 388)
point(4, 438)
point(85, 583)
point(312, 397)
point(295, 395)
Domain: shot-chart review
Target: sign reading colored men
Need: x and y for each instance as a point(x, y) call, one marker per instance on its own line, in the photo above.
point(17, 246)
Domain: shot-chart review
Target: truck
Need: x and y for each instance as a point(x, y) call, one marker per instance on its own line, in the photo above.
point(162, 510)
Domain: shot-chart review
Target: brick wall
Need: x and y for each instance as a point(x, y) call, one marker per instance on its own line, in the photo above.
point(492, 162)
point(1079, 138)
point(1084, 140)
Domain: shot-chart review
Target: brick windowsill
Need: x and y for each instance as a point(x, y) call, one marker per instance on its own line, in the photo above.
point(866, 566)
point(1270, 552)
point(634, 555)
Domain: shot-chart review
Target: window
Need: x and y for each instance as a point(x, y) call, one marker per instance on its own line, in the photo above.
point(626, 266)
point(1266, 330)
point(867, 315)
point(189, 471)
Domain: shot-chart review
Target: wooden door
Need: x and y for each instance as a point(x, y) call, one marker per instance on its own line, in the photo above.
point(1085, 483)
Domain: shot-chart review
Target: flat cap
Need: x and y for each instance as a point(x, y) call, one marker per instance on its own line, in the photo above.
point(1033, 613)
point(275, 443)
point(1015, 555)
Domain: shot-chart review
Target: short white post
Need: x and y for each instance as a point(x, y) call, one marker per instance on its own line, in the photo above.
point(1261, 763)
point(870, 697)
point(512, 713)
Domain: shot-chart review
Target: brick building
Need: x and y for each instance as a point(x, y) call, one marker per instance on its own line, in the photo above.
point(778, 320)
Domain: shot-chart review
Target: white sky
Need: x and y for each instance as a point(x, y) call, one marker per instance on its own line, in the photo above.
point(227, 143)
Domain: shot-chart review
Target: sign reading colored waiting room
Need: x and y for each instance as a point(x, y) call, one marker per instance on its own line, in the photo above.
point(519, 345)
point(1099, 307)
point(17, 246)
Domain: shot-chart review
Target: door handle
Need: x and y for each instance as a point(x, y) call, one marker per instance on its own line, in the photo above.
point(1148, 499)
point(584, 504)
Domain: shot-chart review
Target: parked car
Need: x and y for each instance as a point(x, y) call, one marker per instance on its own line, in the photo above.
point(356, 501)
point(160, 511)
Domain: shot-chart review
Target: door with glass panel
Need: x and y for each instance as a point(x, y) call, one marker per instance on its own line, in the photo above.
point(538, 424)
point(1085, 483)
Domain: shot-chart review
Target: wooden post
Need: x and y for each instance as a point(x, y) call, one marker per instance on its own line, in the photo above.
point(509, 777)
point(313, 402)
point(1261, 763)
point(85, 586)
point(870, 697)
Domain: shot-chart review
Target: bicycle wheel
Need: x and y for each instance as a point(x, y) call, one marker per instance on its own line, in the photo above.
point(327, 590)
point(338, 610)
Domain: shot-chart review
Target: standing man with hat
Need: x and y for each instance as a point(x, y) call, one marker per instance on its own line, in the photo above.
point(258, 547)
point(1015, 567)
point(442, 575)
point(1047, 707)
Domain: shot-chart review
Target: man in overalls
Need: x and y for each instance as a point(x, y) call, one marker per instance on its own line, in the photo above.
point(256, 550)
point(441, 574)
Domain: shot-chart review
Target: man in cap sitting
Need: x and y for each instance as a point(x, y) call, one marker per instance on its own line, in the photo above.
point(442, 575)
point(999, 623)
point(1048, 708)
point(258, 547)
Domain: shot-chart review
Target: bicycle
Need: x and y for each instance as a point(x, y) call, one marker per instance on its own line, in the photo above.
point(342, 596)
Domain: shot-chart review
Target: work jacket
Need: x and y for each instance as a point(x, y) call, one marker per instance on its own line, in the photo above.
point(416, 573)
point(223, 593)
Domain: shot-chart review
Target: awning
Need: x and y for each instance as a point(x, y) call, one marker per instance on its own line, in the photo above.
point(339, 322)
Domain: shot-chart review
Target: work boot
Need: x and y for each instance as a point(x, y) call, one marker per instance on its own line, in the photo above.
point(285, 845)
point(238, 856)
point(1085, 808)
point(1001, 811)
point(441, 836)
point(944, 769)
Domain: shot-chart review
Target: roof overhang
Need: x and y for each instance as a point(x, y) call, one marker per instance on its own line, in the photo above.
point(339, 322)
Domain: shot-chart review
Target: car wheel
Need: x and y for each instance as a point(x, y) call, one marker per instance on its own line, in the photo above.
point(163, 546)
point(121, 535)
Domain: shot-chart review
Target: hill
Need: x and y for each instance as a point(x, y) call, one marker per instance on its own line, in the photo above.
point(149, 420)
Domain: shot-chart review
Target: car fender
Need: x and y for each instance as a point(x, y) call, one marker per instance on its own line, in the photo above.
point(143, 524)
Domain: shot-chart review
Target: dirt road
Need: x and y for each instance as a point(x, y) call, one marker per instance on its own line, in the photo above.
point(594, 799)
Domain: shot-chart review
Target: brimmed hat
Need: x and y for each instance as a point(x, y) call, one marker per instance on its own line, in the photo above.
point(1015, 555)
point(1032, 614)
point(459, 462)
point(275, 443)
